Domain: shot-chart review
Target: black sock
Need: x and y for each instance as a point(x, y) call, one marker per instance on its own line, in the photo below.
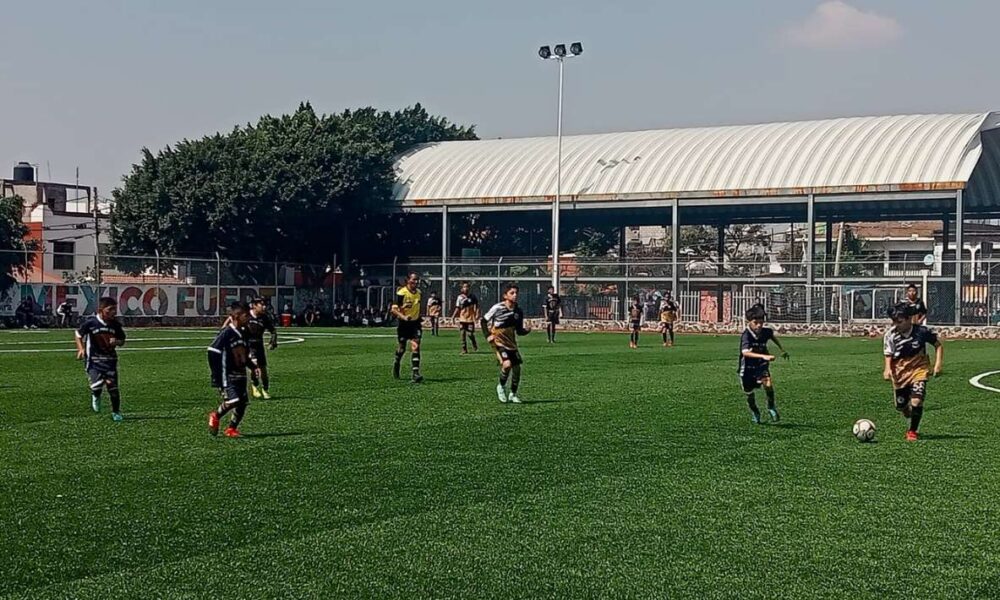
point(415, 362)
point(664, 337)
point(671, 335)
point(503, 376)
point(916, 413)
point(223, 409)
point(240, 410)
point(465, 342)
point(770, 398)
point(399, 355)
point(116, 400)
point(515, 380)
point(95, 393)
point(472, 336)
point(265, 380)
point(752, 403)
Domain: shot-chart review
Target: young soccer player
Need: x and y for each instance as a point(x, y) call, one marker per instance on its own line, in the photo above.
point(467, 311)
point(501, 326)
point(755, 361)
point(635, 322)
point(228, 359)
point(552, 309)
point(669, 313)
point(916, 304)
point(97, 343)
point(407, 310)
point(434, 312)
point(907, 365)
point(258, 323)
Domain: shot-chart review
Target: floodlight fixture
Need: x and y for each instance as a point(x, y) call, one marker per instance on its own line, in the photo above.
point(545, 52)
point(560, 50)
point(576, 48)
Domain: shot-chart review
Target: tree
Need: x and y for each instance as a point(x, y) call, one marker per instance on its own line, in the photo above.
point(290, 187)
point(16, 254)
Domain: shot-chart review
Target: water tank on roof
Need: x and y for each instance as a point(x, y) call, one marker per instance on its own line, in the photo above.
point(24, 173)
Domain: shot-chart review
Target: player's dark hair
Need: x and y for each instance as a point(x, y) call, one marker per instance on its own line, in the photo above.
point(911, 286)
point(106, 302)
point(900, 311)
point(756, 313)
point(511, 286)
point(413, 275)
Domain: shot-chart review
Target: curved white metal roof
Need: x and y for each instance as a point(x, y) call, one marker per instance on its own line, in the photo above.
point(860, 154)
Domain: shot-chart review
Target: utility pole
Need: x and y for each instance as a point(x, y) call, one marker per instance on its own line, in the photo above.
point(97, 244)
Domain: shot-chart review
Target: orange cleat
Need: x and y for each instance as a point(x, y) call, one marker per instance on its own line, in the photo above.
point(213, 423)
point(912, 436)
point(232, 432)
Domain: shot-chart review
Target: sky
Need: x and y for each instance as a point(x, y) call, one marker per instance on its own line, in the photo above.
point(88, 84)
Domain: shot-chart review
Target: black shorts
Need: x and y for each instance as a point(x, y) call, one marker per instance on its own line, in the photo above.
point(470, 327)
point(409, 330)
point(235, 391)
point(553, 318)
point(752, 379)
point(904, 394)
point(510, 355)
point(259, 353)
point(101, 374)
point(636, 325)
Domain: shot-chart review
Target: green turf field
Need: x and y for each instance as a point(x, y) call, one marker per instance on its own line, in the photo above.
point(625, 474)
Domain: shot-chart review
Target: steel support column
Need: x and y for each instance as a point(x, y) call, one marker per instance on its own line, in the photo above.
point(445, 250)
point(959, 242)
point(675, 244)
point(810, 253)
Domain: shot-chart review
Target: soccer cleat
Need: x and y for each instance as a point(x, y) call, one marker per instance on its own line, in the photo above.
point(254, 391)
point(213, 423)
point(755, 418)
point(117, 417)
point(514, 399)
point(395, 369)
point(418, 378)
point(95, 403)
point(501, 393)
point(265, 394)
point(232, 432)
point(775, 417)
point(912, 436)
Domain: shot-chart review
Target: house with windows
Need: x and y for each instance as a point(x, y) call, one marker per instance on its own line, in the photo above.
point(61, 221)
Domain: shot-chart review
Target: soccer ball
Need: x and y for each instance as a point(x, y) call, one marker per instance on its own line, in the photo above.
point(864, 430)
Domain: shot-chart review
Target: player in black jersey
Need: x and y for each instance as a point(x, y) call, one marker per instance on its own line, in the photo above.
point(755, 361)
point(917, 307)
point(552, 309)
point(97, 343)
point(501, 326)
point(258, 323)
point(907, 365)
point(635, 322)
point(228, 360)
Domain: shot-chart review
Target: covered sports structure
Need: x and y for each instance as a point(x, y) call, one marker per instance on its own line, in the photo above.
point(918, 167)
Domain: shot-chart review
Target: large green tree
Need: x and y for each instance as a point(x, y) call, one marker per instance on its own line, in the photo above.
point(15, 252)
point(289, 187)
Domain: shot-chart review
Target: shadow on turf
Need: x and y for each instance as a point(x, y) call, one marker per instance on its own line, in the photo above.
point(276, 434)
point(785, 425)
point(946, 436)
point(151, 418)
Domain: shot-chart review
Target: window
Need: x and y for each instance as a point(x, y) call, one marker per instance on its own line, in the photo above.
point(63, 255)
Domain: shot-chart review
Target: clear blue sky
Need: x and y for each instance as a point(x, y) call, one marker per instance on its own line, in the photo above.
point(90, 83)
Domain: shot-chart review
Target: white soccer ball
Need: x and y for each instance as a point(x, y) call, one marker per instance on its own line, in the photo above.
point(864, 430)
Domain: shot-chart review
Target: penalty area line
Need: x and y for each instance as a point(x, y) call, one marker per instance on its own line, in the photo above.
point(977, 381)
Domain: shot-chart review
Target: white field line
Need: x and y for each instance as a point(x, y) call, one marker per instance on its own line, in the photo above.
point(977, 381)
point(288, 340)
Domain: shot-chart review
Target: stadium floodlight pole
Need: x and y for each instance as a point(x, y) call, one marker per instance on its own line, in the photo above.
point(560, 55)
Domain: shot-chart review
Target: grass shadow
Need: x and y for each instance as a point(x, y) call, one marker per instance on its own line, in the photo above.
point(542, 401)
point(276, 434)
point(785, 425)
point(946, 436)
point(152, 418)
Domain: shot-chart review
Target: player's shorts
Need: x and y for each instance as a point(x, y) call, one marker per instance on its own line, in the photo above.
point(469, 327)
point(259, 353)
point(636, 325)
point(510, 355)
point(102, 374)
point(409, 330)
point(752, 379)
point(668, 325)
point(552, 318)
point(918, 389)
point(236, 391)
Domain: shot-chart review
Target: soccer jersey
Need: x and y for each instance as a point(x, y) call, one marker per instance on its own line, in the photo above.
point(468, 308)
point(668, 311)
point(907, 354)
point(757, 343)
point(917, 307)
point(504, 324)
point(257, 326)
point(635, 313)
point(228, 357)
point(552, 304)
point(408, 303)
point(433, 306)
point(97, 335)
